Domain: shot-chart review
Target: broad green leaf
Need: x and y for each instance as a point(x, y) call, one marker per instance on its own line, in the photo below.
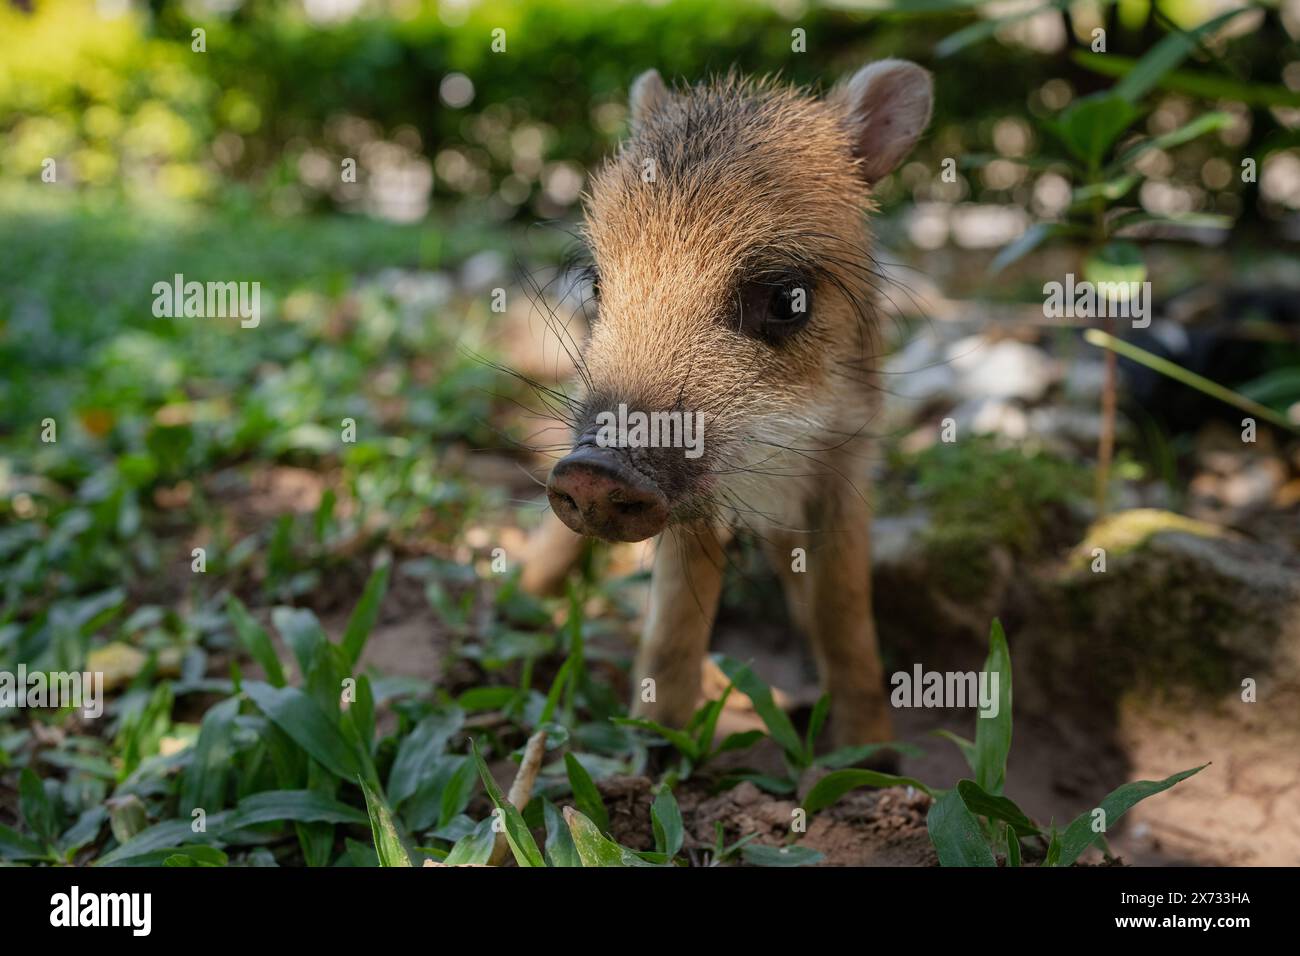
point(364, 615)
point(304, 635)
point(419, 749)
point(666, 819)
point(85, 830)
point(1170, 51)
point(834, 785)
point(955, 833)
point(1089, 126)
point(1279, 387)
point(487, 698)
point(255, 640)
point(38, 812)
point(421, 810)
point(197, 855)
point(816, 720)
point(593, 848)
point(794, 855)
point(585, 794)
point(307, 725)
point(357, 854)
point(305, 806)
point(476, 848)
point(169, 833)
point(560, 850)
point(774, 718)
point(387, 842)
point(1079, 835)
point(993, 734)
point(204, 782)
point(521, 841)
point(458, 792)
point(15, 846)
point(982, 803)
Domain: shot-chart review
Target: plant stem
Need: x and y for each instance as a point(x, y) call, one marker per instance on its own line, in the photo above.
point(1190, 379)
point(1106, 441)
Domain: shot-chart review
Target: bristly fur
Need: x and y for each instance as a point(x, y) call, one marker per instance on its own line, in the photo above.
point(727, 200)
point(721, 183)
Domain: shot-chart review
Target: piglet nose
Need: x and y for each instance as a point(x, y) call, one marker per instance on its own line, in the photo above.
point(595, 493)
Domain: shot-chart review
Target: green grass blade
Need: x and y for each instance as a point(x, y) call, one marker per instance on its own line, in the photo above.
point(585, 794)
point(679, 739)
point(387, 843)
point(457, 793)
point(473, 848)
point(255, 640)
point(1079, 835)
point(521, 841)
point(774, 718)
point(37, 811)
point(666, 818)
point(304, 806)
point(1190, 379)
point(758, 855)
point(594, 850)
point(560, 850)
point(834, 785)
point(1170, 51)
point(993, 734)
point(364, 615)
point(308, 725)
point(816, 720)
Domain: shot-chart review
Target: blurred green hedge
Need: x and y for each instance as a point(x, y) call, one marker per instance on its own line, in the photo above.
point(281, 97)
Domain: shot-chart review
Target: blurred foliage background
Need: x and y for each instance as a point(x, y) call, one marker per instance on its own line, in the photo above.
point(215, 139)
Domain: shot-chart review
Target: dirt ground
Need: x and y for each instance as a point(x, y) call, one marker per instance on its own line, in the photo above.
point(1244, 809)
point(1241, 810)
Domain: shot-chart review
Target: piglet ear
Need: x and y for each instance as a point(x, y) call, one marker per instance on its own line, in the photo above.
point(887, 108)
point(648, 96)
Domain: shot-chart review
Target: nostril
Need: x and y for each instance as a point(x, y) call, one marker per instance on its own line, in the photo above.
point(594, 493)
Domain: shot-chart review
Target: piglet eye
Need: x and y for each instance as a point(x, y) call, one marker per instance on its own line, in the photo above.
point(775, 310)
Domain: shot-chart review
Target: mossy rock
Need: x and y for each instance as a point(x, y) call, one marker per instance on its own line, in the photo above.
point(1180, 603)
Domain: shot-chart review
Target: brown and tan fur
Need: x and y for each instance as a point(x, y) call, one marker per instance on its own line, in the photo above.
point(750, 178)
